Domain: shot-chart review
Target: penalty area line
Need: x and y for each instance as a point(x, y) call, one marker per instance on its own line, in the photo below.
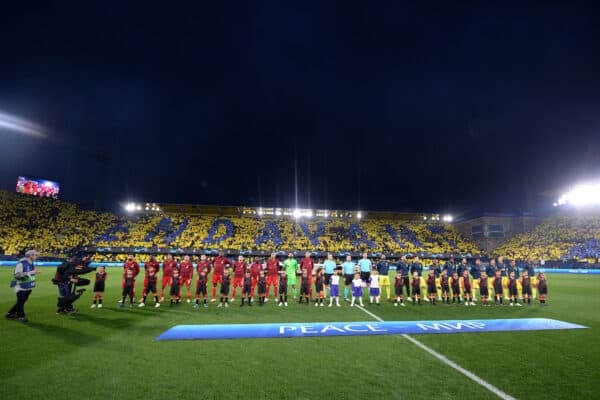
point(501, 394)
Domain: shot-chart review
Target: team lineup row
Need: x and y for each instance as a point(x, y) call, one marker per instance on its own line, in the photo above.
point(447, 284)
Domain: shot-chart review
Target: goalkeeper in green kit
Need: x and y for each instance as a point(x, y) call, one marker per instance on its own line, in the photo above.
point(291, 267)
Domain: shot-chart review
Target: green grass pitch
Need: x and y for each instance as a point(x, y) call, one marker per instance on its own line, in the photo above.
point(112, 353)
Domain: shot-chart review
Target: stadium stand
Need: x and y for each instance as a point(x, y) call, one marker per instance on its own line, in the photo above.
point(52, 226)
point(55, 227)
point(562, 236)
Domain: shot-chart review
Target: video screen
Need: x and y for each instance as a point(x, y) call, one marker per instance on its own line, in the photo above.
point(38, 187)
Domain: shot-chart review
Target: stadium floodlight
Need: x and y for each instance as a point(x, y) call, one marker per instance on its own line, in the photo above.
point(138, 208)
point(309, 213)
point(359, 215)
point(447, 218)
point(296, 214)
point(278, 213)
point(260, 212)
point(130, 207)
point(582, 195)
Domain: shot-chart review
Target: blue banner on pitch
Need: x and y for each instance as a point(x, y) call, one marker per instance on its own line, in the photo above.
point(322, 329)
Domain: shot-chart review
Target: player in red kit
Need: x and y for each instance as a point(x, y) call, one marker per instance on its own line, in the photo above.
point(255, 269)
point(307, 264)
point(272, 275)
point(219, 263)
point(134, 267)
point(203, 265)
point(186, 273)
point(148, 265)
point(239, 269)
point(168, 266)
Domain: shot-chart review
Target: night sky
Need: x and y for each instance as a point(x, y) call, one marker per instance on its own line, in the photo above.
point(423, 106)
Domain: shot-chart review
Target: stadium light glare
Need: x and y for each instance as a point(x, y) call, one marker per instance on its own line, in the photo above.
point(359, 215)
point(447, 218)
point(17, 124)
point(582, 195)
point(309, 213)
point(130, 207)
point(296, 213)
point(138, 208)
point(260, 212)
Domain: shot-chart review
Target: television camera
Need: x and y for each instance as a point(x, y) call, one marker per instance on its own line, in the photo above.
point(69, 281)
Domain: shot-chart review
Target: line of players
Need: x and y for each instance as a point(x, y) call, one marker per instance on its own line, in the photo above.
point(462, 288)
point(456, 283)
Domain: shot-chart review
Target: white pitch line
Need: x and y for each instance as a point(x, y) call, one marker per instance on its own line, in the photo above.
point(501, 394)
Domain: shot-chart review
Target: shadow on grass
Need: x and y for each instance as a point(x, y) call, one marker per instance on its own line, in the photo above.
point(65, 334)
point(106, 322)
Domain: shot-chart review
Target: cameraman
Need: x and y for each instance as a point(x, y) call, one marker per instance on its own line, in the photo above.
point(65, 279)
point(23, 282)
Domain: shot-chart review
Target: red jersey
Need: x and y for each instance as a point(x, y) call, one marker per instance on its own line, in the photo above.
point(151, 264)
point(272, 267)
point(168, 267)
point(152, 278)
point(307, 264)
point(219, 264)
point(133, 266)
point(203, 266)
point(186, 270)
point(255, 269)
point(239, 268)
